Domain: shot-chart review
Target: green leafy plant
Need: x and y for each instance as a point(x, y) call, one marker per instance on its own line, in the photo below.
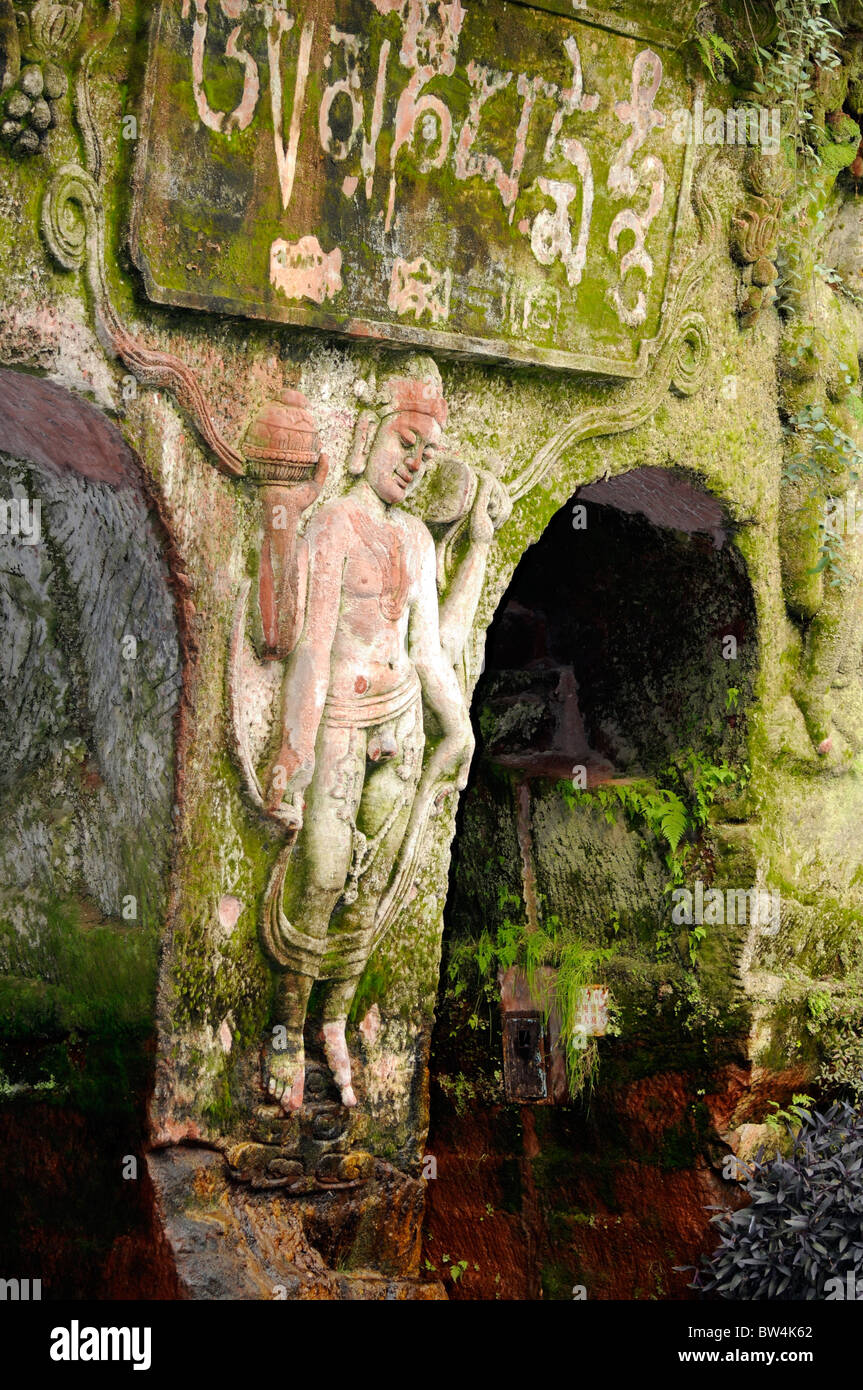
point(713, 50)
point(824, 454)
point(673, 810)
point(841, 1071)
point(804, 1226)
point(805, 43)
point(837, 1025)
point(824, 451)
point(456, 1267)
point(533, 949)
point(792, 1118)
point(674, 815)
point(576, 967)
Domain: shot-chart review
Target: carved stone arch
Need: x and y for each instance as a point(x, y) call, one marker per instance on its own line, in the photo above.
point(629, 588)
point(610, 522)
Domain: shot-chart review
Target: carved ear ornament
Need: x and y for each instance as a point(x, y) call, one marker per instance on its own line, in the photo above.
point(367, 422)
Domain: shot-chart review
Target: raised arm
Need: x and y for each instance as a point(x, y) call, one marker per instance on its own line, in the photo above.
point(437, 677)
point(490, 510)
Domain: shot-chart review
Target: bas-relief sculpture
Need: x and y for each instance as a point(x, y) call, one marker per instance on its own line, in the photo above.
point(354, 775)
point(374, 728)
point(358, 774)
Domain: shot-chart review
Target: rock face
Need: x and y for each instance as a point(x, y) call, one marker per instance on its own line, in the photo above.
point(246, 655)
point(90, 686)
point(232, 1243)
point(91, 677)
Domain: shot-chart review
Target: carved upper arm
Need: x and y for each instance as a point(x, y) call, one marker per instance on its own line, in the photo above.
point(424, 633)
point(326, 541)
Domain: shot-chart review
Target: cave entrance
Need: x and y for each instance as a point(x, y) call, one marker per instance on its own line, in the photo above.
point(625, 645)
point(620, 635)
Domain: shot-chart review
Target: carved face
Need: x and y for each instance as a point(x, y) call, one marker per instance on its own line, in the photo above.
point(402, 447)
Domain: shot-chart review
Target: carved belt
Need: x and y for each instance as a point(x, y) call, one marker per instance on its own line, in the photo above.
point(362, 711)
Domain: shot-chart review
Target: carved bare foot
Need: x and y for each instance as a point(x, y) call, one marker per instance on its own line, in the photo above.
point(338, 1060)
point(832, 751)
point(284, 1072)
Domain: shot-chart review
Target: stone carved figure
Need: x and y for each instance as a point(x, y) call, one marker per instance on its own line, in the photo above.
point(374, 725)
point(821, 352)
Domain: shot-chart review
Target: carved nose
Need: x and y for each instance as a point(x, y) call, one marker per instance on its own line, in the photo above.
point(382, 746)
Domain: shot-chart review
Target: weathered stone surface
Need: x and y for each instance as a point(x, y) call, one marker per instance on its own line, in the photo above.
point(91, 674)
point(538, 1201)
point(46, 425)
point(229, 1243)
point(493, 180)
point(753, 1016)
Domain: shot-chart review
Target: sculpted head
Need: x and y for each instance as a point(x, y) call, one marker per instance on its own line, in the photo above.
point(397, 438)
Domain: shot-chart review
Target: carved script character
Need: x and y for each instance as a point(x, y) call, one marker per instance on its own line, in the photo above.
point(241, 117)
point(624, 181)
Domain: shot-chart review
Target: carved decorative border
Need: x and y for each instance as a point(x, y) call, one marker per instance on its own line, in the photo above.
point(74, 230)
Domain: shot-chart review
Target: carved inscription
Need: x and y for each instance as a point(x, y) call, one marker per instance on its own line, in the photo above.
point(492, 178)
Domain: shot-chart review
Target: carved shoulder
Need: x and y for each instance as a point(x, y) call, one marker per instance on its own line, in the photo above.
point(329, 528)
point(417, 534)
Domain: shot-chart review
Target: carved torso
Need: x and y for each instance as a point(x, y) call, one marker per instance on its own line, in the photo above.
point(381, 551)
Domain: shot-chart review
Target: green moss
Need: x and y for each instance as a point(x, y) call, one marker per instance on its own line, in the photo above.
point(76, 975)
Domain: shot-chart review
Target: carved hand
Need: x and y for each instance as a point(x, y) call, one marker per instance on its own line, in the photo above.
point(307, 493)
point(290, 813)
point(451, 758)
point(490, 510)
point(289, 776)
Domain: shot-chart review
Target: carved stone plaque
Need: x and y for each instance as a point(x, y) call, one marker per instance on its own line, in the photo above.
point(491, 179)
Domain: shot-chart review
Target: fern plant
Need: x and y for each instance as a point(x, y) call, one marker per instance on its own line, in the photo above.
point(713, 51)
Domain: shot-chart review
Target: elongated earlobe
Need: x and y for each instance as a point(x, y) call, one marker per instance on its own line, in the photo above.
point(363, 434)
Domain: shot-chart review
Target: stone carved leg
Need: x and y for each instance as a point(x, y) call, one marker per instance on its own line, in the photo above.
point(831, 615)
point(830, 699)
point(382, 820)
point(313, 882)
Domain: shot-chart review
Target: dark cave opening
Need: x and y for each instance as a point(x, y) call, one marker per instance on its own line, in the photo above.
point(626, 636)
point(609, 646)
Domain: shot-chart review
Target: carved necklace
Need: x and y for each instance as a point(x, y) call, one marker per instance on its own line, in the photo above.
point(389, 555)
